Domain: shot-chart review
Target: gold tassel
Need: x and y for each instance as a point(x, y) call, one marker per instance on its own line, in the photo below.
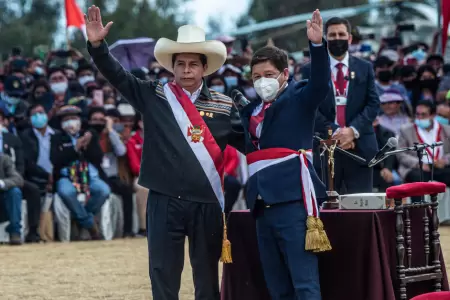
point(226, 245)
point(312, 241)
point(324, 241)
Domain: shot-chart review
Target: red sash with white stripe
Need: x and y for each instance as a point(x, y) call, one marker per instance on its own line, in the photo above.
point(256, 121)
point(262, 159)
point(436, 140)
point(198, 136)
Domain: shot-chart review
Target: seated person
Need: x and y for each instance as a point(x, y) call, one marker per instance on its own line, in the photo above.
point(105, 124)
point(392, 117)
point(425, 130)
point(384, 173)
point(443, 114)
point(77, 157)
point(11, 196)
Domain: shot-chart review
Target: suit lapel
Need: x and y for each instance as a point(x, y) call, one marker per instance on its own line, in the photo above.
point(351, 81)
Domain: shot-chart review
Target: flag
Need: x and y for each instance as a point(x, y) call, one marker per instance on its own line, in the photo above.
point(445, 8)
point(74, 17)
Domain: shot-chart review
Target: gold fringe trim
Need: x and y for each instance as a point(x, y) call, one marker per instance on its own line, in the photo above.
point(316, 238)
point(226, 245)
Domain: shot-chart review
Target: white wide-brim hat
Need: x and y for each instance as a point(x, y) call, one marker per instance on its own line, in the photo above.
point(191, 39)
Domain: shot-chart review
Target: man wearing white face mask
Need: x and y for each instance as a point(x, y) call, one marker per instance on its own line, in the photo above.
point(85, 74)
point(76, 157)
point(59, 85)
point(283, 188)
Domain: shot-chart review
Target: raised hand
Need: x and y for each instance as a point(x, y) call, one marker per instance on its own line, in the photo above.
point(314, 28)
point(94, 27)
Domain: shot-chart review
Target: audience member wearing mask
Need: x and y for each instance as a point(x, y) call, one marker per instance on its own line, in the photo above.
point(425, 130)
point(77, 158)
point(85, 74)
point(14, 95)
point(436, 61)
point(427, 85)
point(128, 119)
point(11, 198)
point(392, 116)
point(385, 77)
point(231, 75)
point(59, 85)
point(385, 174)
point(443, 114)
point(41, 94)
point(164, 76)
point(217, 82)
point(408, 78)
point(134, 153)
point(12, 146)
point(113, 147)
point(70, 72)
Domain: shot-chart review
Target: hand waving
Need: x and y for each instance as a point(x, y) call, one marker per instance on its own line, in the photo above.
point(94, 27)
point(315, 28)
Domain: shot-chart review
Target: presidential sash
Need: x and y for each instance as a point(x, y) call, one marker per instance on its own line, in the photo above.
point(316, 238)
point(204, 146)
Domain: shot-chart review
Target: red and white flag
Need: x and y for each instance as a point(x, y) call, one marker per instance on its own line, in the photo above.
point(445, 8)
point(74, 17)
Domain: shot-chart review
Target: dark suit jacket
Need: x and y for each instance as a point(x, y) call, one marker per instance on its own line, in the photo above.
point(12, 146)
point(362, 108)
point(288, 123)
point(30, 142)
point(63, 154)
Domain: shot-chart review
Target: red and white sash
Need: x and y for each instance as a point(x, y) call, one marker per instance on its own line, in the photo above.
point(257, 118)
point(437, 138)
point(262, 159)
point(198, 136)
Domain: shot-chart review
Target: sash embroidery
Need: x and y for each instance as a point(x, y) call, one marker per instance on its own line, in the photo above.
point(437, 138)
point(199, 137)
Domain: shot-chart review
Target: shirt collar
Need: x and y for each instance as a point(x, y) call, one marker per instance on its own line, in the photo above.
point(334, 61)
point(48, 131)
point(194, 96)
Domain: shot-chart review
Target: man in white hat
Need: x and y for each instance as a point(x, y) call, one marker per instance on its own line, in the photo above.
point(187, 127)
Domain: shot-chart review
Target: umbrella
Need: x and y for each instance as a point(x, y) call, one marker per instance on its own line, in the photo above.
point(133, 53)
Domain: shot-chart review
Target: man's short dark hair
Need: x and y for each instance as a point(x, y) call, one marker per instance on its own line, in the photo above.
point(54, 70)
point(33, 106)
point(277, 57)
point(203, 58)
point(338, 21)
point(429, 104)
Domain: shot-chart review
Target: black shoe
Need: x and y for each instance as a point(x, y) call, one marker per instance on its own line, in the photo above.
point(142, 233)
point(127, 235)
point(15, 239)
point(32, 237)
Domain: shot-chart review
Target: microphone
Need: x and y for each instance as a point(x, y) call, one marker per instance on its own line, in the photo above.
point(239, 99)
point(391, 143)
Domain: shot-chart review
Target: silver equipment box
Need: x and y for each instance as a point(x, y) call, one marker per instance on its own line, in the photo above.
point(363, 201)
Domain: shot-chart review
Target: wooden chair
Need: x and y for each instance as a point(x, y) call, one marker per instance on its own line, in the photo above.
point(406, 273)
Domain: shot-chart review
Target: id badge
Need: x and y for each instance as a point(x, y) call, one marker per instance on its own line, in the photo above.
point(106, 163)
point(341, 100)
point(81, 198)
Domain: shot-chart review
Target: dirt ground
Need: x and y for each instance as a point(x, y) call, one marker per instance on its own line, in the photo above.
point(114, 270)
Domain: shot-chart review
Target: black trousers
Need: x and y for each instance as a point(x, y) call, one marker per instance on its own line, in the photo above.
point(125, 191)
point(441, 175)
point(350, 176)
point(169, 221)
point(32, 193)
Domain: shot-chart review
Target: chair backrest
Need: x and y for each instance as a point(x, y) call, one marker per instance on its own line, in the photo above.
point(431, 270)
point(433, 296)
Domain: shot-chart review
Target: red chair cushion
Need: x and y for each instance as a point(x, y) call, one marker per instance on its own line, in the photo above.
point(433, 296)
point(415, 189)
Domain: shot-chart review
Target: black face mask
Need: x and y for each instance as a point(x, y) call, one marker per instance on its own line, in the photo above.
point(384, 76)
point(409, 85)
point(97, 127)
point(337, 47)
point(430, 84)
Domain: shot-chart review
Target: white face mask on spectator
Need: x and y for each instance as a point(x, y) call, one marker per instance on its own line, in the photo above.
point(72, 126)
point(85, 79)
point(59, 88)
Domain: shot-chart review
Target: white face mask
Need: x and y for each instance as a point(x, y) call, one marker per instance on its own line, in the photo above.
point(85, 79)
point(267, 88)
point(72, 126)
point(59, 87)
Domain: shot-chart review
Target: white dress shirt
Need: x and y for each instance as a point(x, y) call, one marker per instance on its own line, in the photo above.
point(334, 69)
point(194, 96)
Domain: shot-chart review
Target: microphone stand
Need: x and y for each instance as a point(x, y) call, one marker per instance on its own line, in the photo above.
point(419, 151)
point(433, 146)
